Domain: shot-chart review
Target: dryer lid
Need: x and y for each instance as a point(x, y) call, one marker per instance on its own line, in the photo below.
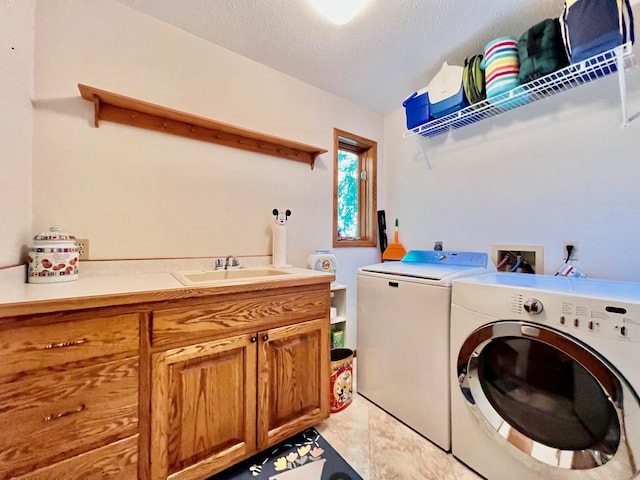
point(433, 265)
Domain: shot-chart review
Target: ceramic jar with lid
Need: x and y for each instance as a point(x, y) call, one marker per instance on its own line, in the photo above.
point(53, 258)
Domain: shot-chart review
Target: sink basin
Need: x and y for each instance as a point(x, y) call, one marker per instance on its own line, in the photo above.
point(213, 276)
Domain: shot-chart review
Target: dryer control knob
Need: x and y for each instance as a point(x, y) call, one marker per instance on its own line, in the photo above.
point(533, 306)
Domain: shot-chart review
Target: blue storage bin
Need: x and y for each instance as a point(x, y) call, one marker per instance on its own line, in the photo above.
point(416, 109)
point(449, 105)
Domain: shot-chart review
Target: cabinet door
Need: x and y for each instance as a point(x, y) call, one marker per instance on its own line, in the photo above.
point(293, 380)
point(203, 411)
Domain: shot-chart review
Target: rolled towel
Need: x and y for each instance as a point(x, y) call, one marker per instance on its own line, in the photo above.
point(501, 65)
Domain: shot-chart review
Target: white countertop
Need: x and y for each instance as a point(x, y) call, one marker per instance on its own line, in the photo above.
point(87, 287)
point(135, 278)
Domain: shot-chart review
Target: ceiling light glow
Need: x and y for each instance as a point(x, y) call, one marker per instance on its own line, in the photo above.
point(339, 11)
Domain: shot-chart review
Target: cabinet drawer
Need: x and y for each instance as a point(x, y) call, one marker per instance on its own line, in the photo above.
point(238, 314)
point(35, 344)
point(116, 461)
point(48, 418)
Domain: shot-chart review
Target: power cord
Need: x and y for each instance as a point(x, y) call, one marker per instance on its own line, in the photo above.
point(566, 262)
point(569, 252)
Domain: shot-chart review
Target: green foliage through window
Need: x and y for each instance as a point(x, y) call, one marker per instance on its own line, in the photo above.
point(348, 176)
point(354, 190)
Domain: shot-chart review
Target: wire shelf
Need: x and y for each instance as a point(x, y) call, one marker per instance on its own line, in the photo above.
point(576, 74)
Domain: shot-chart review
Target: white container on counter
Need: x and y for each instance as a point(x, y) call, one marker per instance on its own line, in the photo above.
point(53, 258)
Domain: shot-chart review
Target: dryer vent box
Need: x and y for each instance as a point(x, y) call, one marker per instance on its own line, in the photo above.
point(506, 257)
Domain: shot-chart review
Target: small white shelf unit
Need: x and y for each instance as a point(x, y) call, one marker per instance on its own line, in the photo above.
point(615, 60)
point(339, 302)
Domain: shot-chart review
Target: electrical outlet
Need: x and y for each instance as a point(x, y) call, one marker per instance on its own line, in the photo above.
point(506, 258)
point(574, 252)
point(83, 248)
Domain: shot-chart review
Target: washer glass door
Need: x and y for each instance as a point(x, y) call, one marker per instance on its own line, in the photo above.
point(547, 394)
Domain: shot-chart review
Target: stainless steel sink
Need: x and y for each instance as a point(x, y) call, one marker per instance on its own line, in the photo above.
point(215, 276)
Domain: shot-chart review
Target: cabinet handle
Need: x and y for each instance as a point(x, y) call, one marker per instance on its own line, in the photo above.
point(72, 343)
point(254, 339)
point(56, 416)
point(265, 338)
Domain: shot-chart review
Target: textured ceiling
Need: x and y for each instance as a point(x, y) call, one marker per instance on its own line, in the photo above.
point(391, 49)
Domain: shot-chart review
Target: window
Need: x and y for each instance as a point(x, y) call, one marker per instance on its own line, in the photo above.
point(354, 190)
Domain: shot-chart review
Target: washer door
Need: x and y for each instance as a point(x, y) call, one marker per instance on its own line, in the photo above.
point(550, 396)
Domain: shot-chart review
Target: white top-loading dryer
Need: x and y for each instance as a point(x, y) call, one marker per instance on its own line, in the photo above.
point(403, 336)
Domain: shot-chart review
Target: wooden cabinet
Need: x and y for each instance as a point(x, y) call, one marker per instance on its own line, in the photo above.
point(178, 384)
point(203, 407)
point(216, 402)
point(293, 380)
point(69, 393)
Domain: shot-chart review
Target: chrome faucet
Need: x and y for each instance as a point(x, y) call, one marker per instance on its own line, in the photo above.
point(231, 261)
point(218, 264)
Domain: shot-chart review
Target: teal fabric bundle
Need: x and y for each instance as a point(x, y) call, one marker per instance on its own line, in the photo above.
point(541, 50)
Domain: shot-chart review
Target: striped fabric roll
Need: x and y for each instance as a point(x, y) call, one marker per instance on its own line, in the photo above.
point(501, 65)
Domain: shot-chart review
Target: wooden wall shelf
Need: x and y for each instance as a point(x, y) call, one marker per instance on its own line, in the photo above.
point(137, 113)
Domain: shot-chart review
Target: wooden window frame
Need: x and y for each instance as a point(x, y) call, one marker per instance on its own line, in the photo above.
point(367, 150)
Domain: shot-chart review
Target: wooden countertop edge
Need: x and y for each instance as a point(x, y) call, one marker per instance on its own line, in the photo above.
point(131, 298)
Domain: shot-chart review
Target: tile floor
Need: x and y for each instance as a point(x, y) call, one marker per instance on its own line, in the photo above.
point(380, 447)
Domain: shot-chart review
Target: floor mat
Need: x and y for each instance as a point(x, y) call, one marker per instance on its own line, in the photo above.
point(306, 456)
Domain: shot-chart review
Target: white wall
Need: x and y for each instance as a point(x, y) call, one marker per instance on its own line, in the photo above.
point(141, 194)
point(16, 121)
point(560, 169)
point(557, 170)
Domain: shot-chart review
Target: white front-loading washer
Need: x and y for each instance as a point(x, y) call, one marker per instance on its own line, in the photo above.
point(403, 336)
point(545, 377)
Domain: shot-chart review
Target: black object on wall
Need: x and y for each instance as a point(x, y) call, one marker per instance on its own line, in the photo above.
point(382, 234)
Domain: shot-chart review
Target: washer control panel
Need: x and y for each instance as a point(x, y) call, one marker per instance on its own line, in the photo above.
point(585, 309)
point(533, 306)
point(577, 315)
point(609, 321)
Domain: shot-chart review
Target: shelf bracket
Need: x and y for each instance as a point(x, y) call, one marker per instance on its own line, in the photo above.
point(623, 87)
point(422, 151)
point(312, 162)
point(96, 111)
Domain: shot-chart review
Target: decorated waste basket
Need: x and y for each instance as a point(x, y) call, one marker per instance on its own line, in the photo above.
point(341, 379)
